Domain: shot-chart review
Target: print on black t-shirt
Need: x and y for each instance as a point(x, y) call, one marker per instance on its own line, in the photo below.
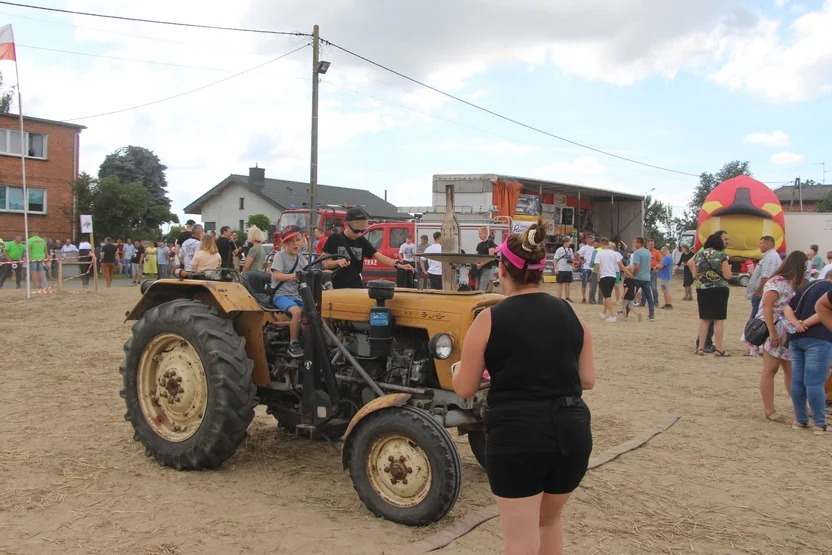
point(137, 254)
point(350, 276)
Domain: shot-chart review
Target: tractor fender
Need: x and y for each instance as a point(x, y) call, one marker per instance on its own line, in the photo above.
point(226, 296)
point(377, 404)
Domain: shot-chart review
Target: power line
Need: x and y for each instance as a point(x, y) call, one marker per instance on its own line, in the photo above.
point(202, 46)
point(158, 22)
point(154, 62)
point(190, 91)
point(506, 118)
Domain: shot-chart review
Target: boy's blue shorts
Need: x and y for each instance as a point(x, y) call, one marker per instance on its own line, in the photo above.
point(284, 302)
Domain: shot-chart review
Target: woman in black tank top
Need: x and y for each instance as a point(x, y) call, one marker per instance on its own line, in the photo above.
point(539, 355)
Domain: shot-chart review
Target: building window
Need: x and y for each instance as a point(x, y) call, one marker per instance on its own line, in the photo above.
point(242, 203)
point(11, 199)
point(10, 143)
point(210, 226)
point(242, 225)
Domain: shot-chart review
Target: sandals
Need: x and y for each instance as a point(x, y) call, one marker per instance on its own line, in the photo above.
point(721, 353)
point(826, 429)
point(800, 425)
point(774, 417)
point(700, 352)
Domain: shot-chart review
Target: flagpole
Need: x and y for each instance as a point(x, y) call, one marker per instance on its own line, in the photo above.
point(23, 168)
point(23, 152)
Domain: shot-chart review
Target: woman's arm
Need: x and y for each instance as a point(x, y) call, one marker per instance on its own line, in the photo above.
point(726, 270)
point(586, 360)
point(792, 319)
point(249, 261)
point(769, 298)
point(468, 375)
point(692, 266)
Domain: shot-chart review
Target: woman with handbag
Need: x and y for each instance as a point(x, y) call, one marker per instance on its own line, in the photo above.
point(712, 272)
point(811, 352)
point(778, 291)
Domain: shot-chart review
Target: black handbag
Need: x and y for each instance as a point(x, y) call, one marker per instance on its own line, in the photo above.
point(756, 331)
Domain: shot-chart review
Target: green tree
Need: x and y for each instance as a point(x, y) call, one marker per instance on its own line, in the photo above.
point(657, 221)
point(707, 183)
point(172, 235)
point(6, 97)
point(134, 164)
point(120, 207)
point(260, 220)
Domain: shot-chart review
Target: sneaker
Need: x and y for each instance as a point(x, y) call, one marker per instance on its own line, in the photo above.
point(603, 316)
point(611, 319)
point(295, 349)
point(651, 318)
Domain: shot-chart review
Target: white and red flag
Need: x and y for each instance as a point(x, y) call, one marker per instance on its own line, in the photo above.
point(7, 43)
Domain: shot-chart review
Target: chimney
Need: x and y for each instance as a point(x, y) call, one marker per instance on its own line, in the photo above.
point(257, 177)
point(385, 195)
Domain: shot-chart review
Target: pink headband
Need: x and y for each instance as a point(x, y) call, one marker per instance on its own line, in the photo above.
point(519, 262)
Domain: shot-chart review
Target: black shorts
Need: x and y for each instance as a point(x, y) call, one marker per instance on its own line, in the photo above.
point(564, 277)
point(713, 303)
point(607, 284)
point(435, 281)
point(534, 448)
point(515, 476)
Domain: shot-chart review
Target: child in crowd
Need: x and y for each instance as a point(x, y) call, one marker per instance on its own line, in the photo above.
point(285, 264)
point(627, 304)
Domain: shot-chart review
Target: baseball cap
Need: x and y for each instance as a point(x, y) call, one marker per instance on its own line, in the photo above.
point(290, 231)
point(354, 214)
point(190, 222)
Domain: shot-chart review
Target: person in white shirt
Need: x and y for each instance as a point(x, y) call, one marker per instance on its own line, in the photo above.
point(434, 268)
point(608, 263)
point(189, 247)
point(585, 252)
point(407, 252)
point(563, 266)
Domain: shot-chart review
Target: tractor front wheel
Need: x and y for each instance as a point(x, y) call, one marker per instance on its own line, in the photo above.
point(405, 466)
point(187, 385)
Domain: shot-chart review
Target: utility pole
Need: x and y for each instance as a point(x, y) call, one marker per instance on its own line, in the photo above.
point(823, 168)
point(313, 166)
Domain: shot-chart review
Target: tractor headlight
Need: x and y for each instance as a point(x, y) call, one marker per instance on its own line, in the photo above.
point(441, 345)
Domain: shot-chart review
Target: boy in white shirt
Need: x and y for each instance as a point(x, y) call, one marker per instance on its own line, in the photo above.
point(608, 263)
point(407, 252)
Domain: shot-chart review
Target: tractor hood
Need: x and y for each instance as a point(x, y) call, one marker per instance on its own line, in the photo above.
point(407, 304)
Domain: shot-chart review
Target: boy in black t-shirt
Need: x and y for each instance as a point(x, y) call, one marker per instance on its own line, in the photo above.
point(352, 244)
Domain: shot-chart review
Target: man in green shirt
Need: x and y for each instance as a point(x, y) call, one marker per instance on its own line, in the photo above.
point(14, 253)
point(37, 257)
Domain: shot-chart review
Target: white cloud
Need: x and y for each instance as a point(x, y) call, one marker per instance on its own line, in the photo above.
point(785, 157)
point(780, 3)
point(780, 65)
point(476, 95)
point(775, 138)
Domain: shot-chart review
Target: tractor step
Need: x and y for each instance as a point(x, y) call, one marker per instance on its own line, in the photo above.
point(332, 430)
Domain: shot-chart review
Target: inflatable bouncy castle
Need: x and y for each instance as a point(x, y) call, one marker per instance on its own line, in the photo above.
point(747, 209)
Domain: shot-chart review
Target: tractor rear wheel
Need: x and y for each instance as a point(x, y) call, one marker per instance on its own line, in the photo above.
point(478, 440)
point(405, 466)
point(187, 385)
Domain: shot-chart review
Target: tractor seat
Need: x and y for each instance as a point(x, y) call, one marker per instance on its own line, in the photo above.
point(258, 284)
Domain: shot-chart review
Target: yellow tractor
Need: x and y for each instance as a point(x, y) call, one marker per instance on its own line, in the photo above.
point(207, 347)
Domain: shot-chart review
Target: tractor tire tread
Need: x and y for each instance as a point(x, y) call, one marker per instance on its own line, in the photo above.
point(228, 372)
point(447, 471)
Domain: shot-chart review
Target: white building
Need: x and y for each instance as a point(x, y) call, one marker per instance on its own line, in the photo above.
point(237, 197)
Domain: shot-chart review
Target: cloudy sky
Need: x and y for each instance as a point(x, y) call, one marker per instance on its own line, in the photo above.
point(682, 85)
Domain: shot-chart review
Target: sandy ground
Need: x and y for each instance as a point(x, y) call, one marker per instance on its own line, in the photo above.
point(72, 480)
